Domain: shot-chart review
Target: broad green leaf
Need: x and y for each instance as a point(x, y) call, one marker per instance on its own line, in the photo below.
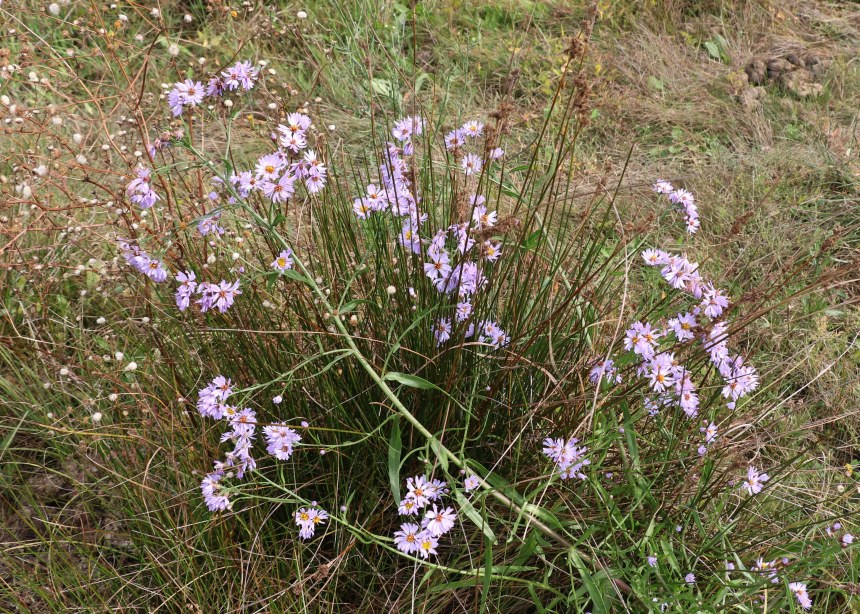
point(413, 381)
point(467, 508)
point(395, 448)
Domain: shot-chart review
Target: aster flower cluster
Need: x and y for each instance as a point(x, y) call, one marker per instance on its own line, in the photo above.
point(457, 139)
point(209, 225)
point(140, 191)
point(165, 140)
point(710, 431)
point(220, 296)
point(604, 371)
point(142, 262)
point(307, 519)
point(422, 538)
point(450, 262)
point(213, 402)
point(569, 458)
point(683, 199)
point(847, 538)
point(276, 174)
point(661, 368)
point(190, 93)
point(242, 75)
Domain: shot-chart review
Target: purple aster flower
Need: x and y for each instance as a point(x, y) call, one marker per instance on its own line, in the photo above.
point(463, 311)
point(439, 522)
point(140, 191)
point(471, 164)
point(409, 238)
point(220, 296)
point(714, 302)
point(492, 250)
point(407, 538)
point(406, 127)
point(483, 218)
point(442, 330)
point(408, 506)
point(269, 167)
point(472, 129)
point(284, 261)
point(799, 590)
point(455, 139)
point(308, 518)
point(567, 456)
point(185, 93)
point(298, 122)
point(662, 186)
point(216, 86)
point(655, 257)
point(682, 325)
point(471, 483)
point(294, 141)
point(280, 191)
point(427, 544)
point(437, 266)
point(754, 482)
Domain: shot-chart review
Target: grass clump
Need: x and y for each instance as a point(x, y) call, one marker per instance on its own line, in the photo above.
point(455, 308)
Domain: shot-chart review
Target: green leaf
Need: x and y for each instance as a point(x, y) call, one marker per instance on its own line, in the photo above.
point(467, 508)
point(395, 447)
point(655, 83)
point(412, 381)
point(532, 240)
point(351, 305)
point(279, 219)
point(383, 87)
point(296, 276)
point(595, 593)
point(713, 50)
point(436, 446)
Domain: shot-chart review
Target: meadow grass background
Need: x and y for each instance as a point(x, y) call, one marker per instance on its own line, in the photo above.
point(108, 516)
